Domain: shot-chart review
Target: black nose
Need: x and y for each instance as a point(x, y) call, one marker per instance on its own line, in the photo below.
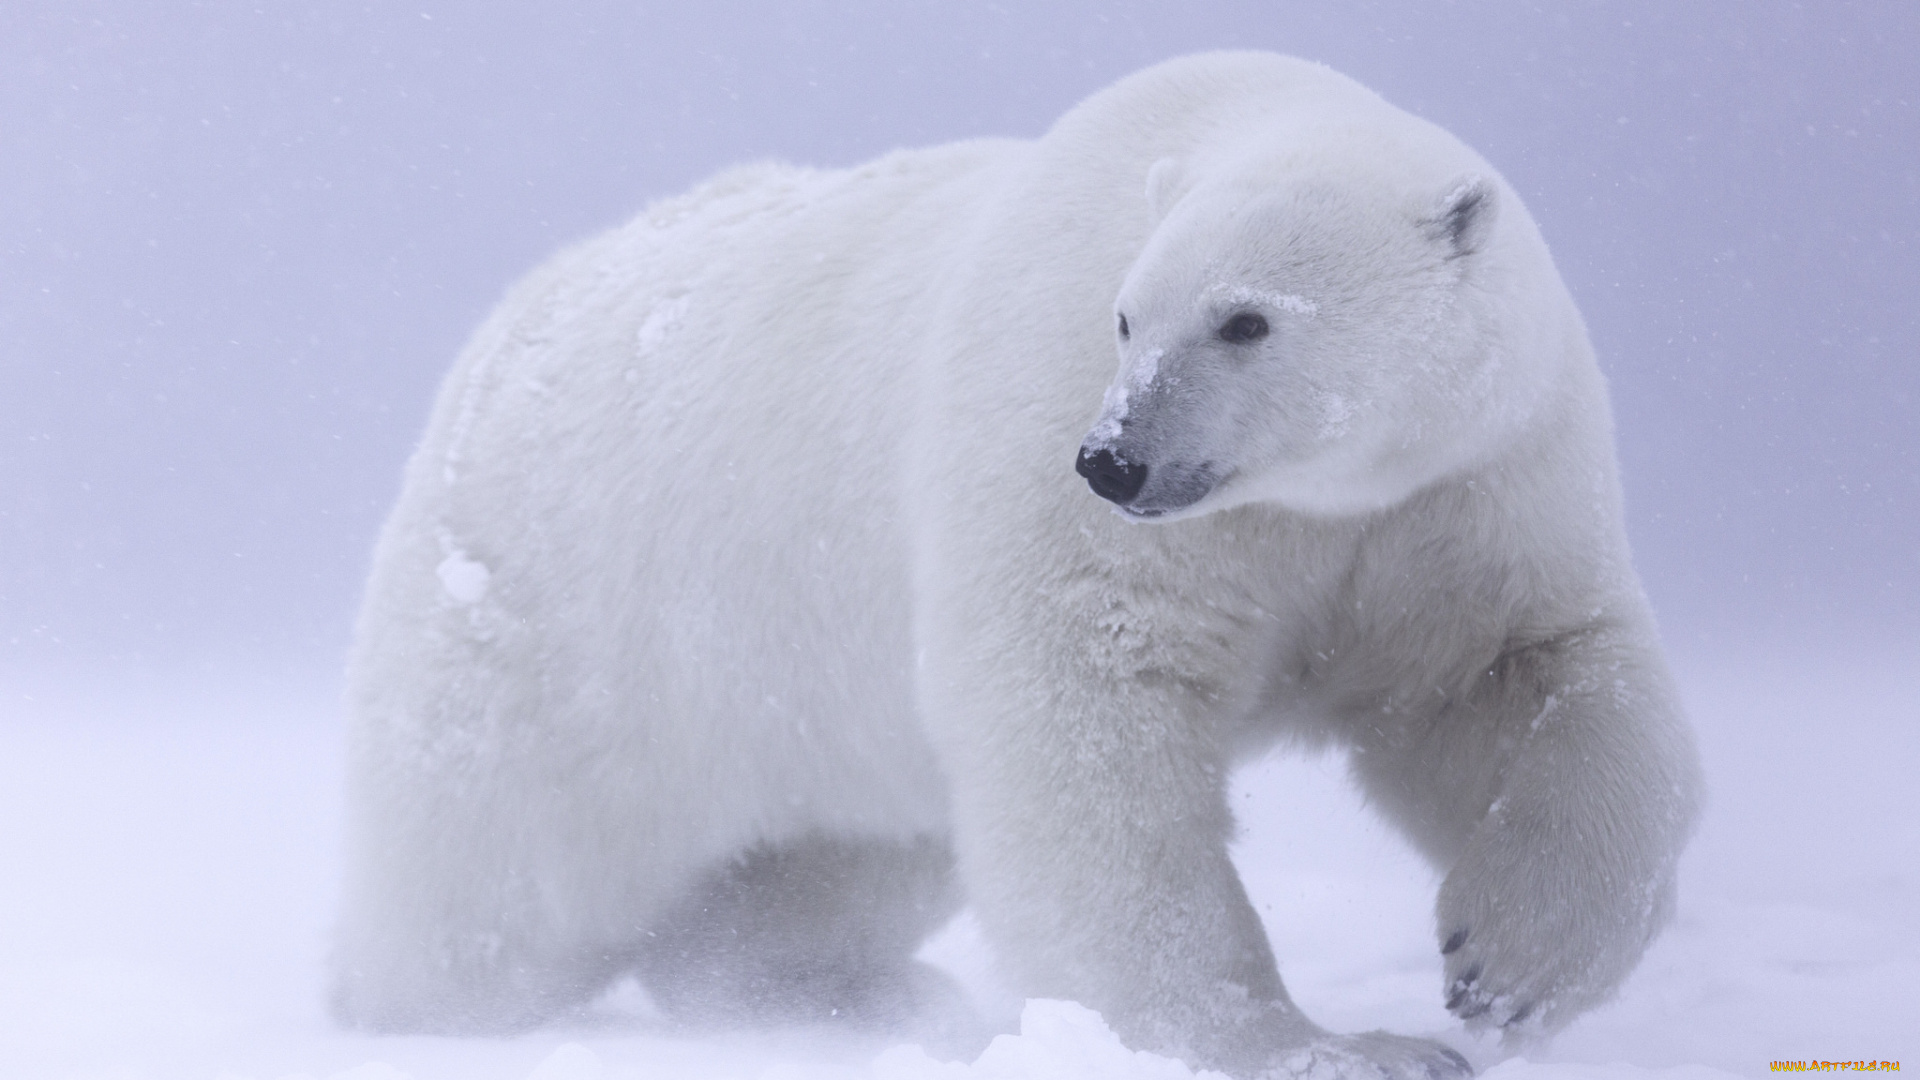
point(1111, 478)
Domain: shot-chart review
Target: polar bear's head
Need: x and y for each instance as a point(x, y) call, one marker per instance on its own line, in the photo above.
point(1330, 341)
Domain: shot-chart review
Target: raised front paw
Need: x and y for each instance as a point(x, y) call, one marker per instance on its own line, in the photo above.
point(1374, 1054)
point(1534, 936)
point(1485, 1002)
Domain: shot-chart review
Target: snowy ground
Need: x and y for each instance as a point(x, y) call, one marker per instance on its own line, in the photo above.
point(169, 856)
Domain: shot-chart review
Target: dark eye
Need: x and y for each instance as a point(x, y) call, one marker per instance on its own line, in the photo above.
point(1243, 328)
point(1123, 328)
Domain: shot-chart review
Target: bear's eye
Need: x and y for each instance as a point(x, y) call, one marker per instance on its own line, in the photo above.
point(1123, 327)
point(1243, 328)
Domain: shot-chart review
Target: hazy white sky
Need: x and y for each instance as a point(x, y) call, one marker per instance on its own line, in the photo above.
point(240, 243)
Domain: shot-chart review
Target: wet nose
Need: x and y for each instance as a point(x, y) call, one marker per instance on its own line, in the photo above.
point(1111, 478)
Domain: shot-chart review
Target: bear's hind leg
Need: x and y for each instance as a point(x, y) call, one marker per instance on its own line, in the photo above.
point(821, 928)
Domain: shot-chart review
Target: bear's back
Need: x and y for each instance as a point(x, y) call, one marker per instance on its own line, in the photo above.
point(661, 483)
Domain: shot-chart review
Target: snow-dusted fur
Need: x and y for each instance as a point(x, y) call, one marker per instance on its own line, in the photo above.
point(743, 611)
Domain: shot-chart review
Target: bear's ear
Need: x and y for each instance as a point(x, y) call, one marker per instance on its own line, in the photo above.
point(1463, 217)
point(1164, 187)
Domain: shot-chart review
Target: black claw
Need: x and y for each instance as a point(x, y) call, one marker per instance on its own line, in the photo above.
point(1454, 941)
point(1520, 1014)
point(1479, 1009)
point(1459, 1061)
point(1461, 988)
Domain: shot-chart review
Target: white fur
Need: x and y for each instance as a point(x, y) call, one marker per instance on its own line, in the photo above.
point(743, 576)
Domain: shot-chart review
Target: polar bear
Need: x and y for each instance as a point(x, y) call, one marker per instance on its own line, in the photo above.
point(822, 551)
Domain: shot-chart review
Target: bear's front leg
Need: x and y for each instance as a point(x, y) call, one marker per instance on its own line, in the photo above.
point(1093, 841)
point(1092, 829)
point(1569, 874)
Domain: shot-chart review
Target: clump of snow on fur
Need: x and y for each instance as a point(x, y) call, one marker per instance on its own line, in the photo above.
point(1290, 303)
point(1058, 1040)
point(464, 578)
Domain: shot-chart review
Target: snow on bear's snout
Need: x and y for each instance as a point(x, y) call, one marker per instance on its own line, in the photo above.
point(1168, 433)
point(1129, 457)
point(1143, 453)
